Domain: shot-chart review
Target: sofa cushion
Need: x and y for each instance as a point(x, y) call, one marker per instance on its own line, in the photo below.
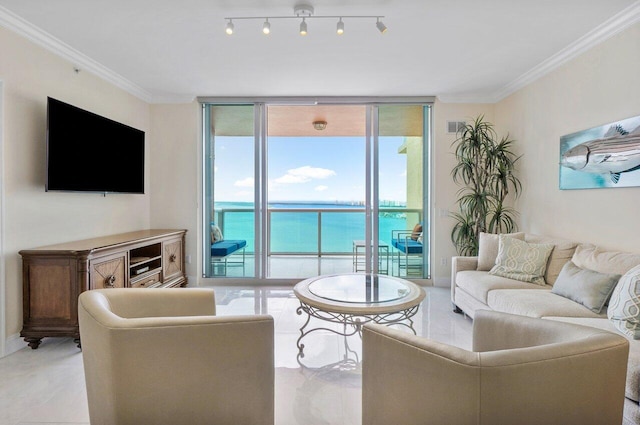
point(586, 287)
point(594, 258)
point(624, 308)
point(536, 303)
point(562, 252)
point(478, 283)
point(407, 245)
point(521, 260)
point(227, 247)
point(632, 390)
point(488, 248)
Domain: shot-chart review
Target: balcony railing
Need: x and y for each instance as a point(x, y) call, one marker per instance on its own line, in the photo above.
point(313, 231)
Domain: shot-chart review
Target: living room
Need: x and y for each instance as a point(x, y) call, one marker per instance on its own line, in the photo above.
point(590, 80)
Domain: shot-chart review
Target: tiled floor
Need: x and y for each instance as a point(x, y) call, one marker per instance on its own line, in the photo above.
point(47, 385)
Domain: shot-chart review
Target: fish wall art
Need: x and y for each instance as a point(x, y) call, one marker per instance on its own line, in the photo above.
point(601, 157)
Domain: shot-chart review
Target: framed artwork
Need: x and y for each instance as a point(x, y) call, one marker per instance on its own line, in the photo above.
point(601, 157)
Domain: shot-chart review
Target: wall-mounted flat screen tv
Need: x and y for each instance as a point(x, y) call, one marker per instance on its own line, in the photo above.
point(90, 153)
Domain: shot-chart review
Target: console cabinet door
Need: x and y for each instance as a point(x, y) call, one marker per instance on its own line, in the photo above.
point(109, 272)
point(172, 259)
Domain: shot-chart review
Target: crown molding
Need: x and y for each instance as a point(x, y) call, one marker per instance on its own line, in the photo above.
point(606, 30)
point(42, 38)
point(616, 24)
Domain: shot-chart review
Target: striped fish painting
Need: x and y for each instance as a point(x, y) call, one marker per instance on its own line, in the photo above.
point(609, 156)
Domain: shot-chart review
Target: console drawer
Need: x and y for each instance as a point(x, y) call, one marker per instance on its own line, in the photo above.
point(147, 282)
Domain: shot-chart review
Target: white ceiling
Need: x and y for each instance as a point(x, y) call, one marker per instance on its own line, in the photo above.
point(459, 50)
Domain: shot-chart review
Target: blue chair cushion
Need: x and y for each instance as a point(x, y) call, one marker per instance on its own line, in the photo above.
point(407, 246)
point(226, 247)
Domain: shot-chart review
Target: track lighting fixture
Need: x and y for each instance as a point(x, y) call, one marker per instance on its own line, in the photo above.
point(304, 12)
point(229, 29)
point(303, 27)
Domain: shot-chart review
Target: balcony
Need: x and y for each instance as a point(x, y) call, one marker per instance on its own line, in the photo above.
point(304, 242)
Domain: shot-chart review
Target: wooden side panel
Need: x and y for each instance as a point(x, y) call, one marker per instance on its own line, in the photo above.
point(50, 291)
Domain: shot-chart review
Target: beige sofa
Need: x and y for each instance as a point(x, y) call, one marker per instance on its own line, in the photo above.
point(473, 290)
point(521, 371)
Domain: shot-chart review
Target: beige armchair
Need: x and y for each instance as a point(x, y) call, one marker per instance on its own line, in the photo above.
point(161, 356)
point(522, 371)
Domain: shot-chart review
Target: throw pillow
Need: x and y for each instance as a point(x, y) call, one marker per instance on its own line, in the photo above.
point(584, 286)
point(624, 307)
point(520, 260)
point(216, 234)
point(488, 248)
point(595, 258)
point(416, 232)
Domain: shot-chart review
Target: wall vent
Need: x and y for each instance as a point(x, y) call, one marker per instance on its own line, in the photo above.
point(454, 126)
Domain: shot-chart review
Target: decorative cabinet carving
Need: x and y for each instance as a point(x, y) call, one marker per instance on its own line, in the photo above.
point(108, 272)
point(54, 276)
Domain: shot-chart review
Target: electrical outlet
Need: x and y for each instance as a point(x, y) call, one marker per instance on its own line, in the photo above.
point(187, 259)
point(443, 261)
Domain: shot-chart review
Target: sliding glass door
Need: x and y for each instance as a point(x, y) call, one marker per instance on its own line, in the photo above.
point(294, 190)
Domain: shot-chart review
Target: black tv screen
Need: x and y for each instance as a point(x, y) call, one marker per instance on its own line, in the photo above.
point(90, 153)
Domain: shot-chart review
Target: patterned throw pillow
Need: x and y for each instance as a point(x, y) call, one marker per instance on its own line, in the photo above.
point(624, 306)
point(520, 260)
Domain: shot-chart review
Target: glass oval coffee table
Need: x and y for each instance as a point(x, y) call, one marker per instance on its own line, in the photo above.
point(351, 300)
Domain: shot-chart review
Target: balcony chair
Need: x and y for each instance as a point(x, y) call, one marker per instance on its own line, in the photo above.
point(408, 243)
point(162, 357)
point(223, 249)
point(522, 370)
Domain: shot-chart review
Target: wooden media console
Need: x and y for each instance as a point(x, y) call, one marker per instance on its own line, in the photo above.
point(55, 275)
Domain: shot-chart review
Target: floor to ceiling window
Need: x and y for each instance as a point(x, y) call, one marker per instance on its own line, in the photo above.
point(296, 189)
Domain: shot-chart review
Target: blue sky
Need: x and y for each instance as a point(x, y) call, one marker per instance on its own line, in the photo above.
point(308, 169)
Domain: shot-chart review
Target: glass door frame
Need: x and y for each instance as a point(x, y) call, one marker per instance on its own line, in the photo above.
point(260, 105)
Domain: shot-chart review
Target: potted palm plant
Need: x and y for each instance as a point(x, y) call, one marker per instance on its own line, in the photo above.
point(485, 168)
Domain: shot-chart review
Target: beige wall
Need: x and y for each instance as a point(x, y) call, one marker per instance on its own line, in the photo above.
point(175, 182)
point(34, 217)
point(444, 190)
point(600, 86)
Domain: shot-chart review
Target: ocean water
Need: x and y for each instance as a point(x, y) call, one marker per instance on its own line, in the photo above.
point(307, 230)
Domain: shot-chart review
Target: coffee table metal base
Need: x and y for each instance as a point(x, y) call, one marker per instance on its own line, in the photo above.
point(352, 323)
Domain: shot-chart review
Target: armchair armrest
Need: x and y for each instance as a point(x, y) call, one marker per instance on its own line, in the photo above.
point(499, 331)
point(408, 380)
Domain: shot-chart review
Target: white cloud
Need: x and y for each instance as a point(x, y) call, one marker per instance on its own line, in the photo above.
point(248, 182)
point(403, 174)
point(321, 188)
point(305, 174)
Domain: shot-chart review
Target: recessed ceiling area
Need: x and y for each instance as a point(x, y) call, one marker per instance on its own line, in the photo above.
point(297, 120)
point(463, 50)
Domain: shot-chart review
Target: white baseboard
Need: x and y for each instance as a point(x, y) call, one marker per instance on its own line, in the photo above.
point(12, 344)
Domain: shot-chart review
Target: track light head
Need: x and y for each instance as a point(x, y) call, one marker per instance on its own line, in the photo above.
point(303, 27)
point(266, 28)
point(340, 27)
point(229, 28)
point(381, 27)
